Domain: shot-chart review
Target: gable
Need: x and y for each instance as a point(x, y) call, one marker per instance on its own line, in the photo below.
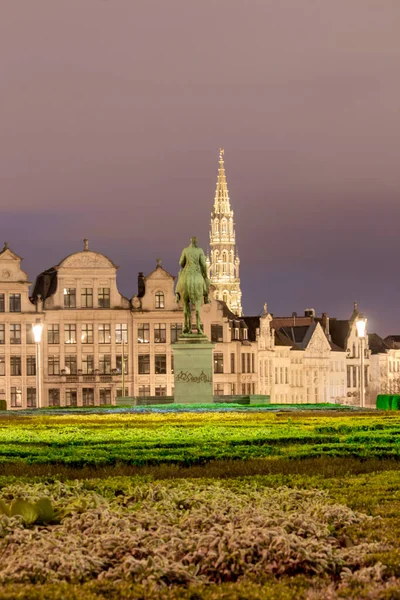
point(318, 342)
point(10, 267)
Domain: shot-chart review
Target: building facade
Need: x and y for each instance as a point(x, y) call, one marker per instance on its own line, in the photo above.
point(97, 344)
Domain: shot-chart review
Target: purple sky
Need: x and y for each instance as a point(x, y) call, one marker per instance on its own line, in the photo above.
point(112, 113)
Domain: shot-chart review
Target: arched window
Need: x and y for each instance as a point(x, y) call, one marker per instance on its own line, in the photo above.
point(223, 225)
point(224, 262)
point(160, 300)
point(216, 226)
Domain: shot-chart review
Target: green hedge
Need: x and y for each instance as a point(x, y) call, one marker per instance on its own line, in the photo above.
point(388, 402)
point(3, 405)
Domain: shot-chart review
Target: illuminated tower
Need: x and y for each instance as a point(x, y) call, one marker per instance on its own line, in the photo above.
point(223, 262)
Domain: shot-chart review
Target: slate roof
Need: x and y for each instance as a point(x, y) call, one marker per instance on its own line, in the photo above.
point(339, 330)
point(45, 284)
point(392, 341)
point(253, 323)
point(278, 322)
point(376, 344)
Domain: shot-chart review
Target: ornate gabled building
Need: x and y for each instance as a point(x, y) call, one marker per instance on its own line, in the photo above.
point(223, 261)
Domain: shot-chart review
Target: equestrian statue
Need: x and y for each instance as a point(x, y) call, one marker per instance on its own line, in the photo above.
point(193, 284)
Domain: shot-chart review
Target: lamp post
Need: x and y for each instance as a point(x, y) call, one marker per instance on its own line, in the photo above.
point(37, 334)
point(361, 324)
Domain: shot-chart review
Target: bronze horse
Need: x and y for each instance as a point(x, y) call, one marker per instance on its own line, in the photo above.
point(193, 284)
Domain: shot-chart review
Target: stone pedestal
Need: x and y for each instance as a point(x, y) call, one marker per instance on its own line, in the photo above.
point(193, 370)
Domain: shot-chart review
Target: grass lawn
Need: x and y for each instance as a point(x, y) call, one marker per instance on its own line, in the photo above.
point(190, 505)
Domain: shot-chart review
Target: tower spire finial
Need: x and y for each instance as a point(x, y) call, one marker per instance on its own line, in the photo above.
point(221, 155)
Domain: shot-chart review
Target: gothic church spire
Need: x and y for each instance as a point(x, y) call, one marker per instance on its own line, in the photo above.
point(224, 260)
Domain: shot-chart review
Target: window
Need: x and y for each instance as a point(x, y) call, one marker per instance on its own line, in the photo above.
point(245, 334)
point(119, 363)
point(105, 333)
point(161, 390)
point(104, 297)
point(119, 392)
point(218, 362)
point(143, 333)
point(71, 364)
point(354, 376)
point(29, 334)
point(53, 334)
point(69, 298)
point(2, 365)
point(176, 331)
point(286, 375)
point(144, 364)
point(16, 397)
point(88, 364)
point(160, 300)
point(172, 364)
point(87, 333)
point(160, 333)
point(276, 375)
point(232, 362)
point(87, 297)
point(253, 364)
point(233, 389)
point(105, 364)
point(218, 389)
point(31, 365)
point(366, 376)
point(53, 365)
point(348, 376)
point(144, 390)
point(15, 302)
point(243, 389)
point(2, 334)
point(253, 388)
point(54, 397)
point(243, 363)
point(160, 364)
point(2, 303)
point(249, 388)
point(71, 397)
point(248, 362)
point(31, 397)
point(15, 333)
point(105, 396)
point(121, 333)
point(15, 365)
point(70, 334)
point(217, 333)
point(87, 397)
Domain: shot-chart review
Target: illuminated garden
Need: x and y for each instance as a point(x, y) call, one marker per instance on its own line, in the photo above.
point(193, 503)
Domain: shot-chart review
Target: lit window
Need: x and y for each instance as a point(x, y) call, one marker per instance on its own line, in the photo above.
point(160, 333)
point(160, 300)
point(69, 297)
point(143, 333)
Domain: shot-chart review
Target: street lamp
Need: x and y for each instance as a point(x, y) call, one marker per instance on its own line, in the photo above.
point(361, 325)
point(37, 334)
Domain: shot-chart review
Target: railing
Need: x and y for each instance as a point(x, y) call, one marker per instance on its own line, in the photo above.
point(105, 378)
point(89, 378)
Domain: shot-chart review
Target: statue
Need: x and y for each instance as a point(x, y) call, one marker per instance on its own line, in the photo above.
point(193, 284)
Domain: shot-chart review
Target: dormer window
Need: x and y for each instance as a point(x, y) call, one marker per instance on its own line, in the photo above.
point(160, 300)
point(245, 334)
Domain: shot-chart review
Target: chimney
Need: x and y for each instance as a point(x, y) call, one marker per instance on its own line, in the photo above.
point(325, 325)
point(141, 285)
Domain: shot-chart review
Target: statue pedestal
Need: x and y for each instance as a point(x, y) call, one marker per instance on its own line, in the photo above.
point(193, 370)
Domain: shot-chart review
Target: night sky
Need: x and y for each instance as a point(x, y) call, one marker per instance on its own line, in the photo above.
point(112, 113)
